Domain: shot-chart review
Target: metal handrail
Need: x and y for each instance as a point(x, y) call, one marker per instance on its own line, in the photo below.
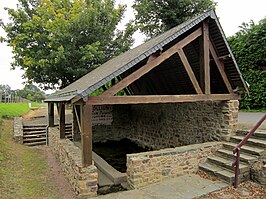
point(237, 149)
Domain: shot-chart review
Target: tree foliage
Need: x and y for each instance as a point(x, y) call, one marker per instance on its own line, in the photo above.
point(32, 93)
point(58, 41)
point(156, 16)
point(249, 48)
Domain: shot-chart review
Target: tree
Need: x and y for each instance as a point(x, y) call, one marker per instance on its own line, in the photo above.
point(32, 93)
point(248, 46)
point(156, 16)
point(5, 89)
point(58, 41)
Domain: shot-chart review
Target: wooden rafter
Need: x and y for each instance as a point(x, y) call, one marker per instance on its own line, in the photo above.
point(220, 67)
point(189, 71)
point(146, 99)
point(152, 64)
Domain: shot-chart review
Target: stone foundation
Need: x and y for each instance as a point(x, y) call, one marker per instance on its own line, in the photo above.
point(18, 130)
point(258, 172)
point(83, 179)
point(150, 167)
point(157, 126)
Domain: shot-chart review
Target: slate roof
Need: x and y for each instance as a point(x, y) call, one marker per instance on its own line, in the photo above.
point(122, 63)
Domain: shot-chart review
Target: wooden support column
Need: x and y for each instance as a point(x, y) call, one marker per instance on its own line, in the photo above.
point(206, 59)
point(51, 114)
point(62, 120)
point(86, 135)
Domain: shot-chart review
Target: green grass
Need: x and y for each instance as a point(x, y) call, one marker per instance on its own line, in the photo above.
point(9, 110)
point(24, 171)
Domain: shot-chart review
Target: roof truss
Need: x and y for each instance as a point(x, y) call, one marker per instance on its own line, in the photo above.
point(202, 88)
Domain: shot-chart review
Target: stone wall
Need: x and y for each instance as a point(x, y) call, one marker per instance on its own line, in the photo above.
point(18, 130)
point(157, 126)
point(150, 167)
point(83, 179)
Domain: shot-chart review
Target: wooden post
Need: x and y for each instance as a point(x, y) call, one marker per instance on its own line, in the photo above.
point(206, 59)
point(62, 120)
point(76, 122)
point(86, 135)
point(51, 114)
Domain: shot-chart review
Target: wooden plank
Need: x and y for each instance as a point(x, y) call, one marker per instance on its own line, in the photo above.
point(77, 114)
point(76, 127)
point(51, 114)
point(86, 135)
point(62, 121)
point(206, 51)
point(151, 64)
point(220, 67)
point(149, 99)
point(189, 71)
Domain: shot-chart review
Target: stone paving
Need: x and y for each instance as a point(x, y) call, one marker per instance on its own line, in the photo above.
point(183, 187)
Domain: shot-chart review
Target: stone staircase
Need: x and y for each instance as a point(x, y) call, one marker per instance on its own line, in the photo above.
point(220, 164)
point(34, 135)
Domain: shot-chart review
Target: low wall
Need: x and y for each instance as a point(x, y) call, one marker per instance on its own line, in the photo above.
point(150, 167)
point(18, 130)
point(83, 179)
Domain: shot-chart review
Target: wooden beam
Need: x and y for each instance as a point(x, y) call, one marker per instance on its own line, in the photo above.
point(151, 64)
point(149, 99)
point(206, 39)
point(220, 67)
point(51, 114)
point(77, 114)
point(189, 71)
point(62, 121)
point(86, 135)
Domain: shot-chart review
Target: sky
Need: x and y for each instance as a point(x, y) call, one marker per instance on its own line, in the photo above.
point(231, 14)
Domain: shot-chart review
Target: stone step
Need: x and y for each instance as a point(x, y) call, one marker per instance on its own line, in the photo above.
point(246, 149)
point(33, 129)
point(35, 143)
point(222, 173)
point(34, 126)
point(243, 157)
point(257, 134)
point(219, 172)
point(34, 135)
point(251, 141)
point(34, 139)
point(227, 163)
point(34, 132)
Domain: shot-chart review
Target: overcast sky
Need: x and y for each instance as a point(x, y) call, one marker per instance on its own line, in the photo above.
point(231, 14)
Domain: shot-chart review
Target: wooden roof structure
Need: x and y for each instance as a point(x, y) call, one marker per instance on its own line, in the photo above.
point(191, 62)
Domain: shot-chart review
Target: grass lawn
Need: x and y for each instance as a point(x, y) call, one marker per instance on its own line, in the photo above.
point(24, 171)
point(10, 110)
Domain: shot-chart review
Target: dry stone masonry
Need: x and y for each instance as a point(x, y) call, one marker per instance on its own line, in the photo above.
point(83, 179)
point(154, 166)
point(157, 126)
point(18, 130)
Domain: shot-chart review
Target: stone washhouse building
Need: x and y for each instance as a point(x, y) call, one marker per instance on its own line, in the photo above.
point(180, 97)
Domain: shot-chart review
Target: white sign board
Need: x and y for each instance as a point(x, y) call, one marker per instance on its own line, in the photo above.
point(102, 115)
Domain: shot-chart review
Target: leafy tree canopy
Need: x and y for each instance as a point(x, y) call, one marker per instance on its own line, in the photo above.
point(5, 89)
point(249, 48)
point(156, 16)
point(32, 93)
point(57, 41)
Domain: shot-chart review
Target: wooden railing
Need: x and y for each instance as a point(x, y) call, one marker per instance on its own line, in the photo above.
point(237, 149)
